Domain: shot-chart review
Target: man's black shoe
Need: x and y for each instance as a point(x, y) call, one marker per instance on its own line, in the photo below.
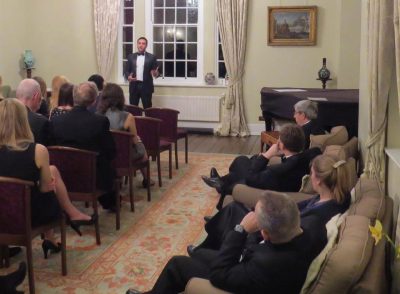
point(214, 173)
point(190, 249)
point(207, 218)
point(14, 279)
point(213, 182)
point(133, 291)
point(13, 251)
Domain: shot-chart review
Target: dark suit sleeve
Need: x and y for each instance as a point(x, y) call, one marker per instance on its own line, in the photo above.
point(227, 272)
point(260, 175)
point(42, 134)
point(129, 66)
point(107, 143)
point(154, 62)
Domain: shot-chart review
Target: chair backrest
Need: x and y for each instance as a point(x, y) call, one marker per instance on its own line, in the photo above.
point(134, 110)
point(123, 143)
point(148, 130)
point(169, 117)
point(15, 208)
point(77, 167)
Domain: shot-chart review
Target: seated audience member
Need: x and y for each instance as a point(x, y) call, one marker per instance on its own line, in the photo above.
point(278, 264)
point(9, 283)
point(28, 92)
point(65, 101)
point(256, 172)
point(82, 129)
point(305, 114)
point(330, 178)
point(44, 106)
point(99, 81)
point(112, 106)
point(21, 158)
point(56, 84)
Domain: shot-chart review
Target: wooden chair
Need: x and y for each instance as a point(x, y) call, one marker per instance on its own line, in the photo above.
point(15, 223)
point(125, 167)
point(134, 110)
point(169, 130)
point(149, 131)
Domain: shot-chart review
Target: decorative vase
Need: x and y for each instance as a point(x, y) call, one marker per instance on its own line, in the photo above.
point(324, 74)
point(28, 59)
point(209, 78)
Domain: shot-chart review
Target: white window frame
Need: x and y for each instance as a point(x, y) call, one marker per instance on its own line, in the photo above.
point(221, 81)
point(120, 43)
point(199, 80)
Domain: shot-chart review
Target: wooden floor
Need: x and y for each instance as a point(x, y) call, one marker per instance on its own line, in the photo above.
point(205, 143)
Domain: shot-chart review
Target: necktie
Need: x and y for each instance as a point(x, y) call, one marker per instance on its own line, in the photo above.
point(140, 54)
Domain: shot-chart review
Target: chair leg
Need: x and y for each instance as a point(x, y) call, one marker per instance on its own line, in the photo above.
point(130, 179)
point(170, 161)
point(117, 207)
point(176, 154)
point(96, 223)
point(6, 256)
point(159, 169)
point(30, 267)
point(63, 246)
point(148, 186)
point(186, 149)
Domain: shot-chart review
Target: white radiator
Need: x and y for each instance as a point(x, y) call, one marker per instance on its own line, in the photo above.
point(191, 108)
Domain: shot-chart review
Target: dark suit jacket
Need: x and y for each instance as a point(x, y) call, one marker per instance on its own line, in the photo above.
point(82, 129)
point(264, 268)
point(40, 127)
point(150, 63)
point(311, 128)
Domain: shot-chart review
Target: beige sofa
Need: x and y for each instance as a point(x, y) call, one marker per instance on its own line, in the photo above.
point(354, 264)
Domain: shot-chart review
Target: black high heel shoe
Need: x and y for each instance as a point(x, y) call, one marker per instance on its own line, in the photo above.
point(50, 246)
point(75, 224)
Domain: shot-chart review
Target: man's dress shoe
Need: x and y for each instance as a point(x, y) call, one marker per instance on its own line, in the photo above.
point(190, 249)
point(133, 291)
point(207, 218)
point(214, 173)
point(213, 182)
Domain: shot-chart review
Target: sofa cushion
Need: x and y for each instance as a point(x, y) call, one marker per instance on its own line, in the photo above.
point(347, 260)
point(337, 136)
point(369, 201)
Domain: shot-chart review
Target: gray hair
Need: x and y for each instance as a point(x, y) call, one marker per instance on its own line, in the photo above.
point(309, 108)
point(85, 93)
point(27, 89)
point(279, 216)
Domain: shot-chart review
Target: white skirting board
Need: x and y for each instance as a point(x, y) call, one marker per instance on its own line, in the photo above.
point(255, 129)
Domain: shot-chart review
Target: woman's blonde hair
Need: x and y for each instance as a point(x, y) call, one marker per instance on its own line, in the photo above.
point(334, 173)
point(15, 132)
point(56, 84)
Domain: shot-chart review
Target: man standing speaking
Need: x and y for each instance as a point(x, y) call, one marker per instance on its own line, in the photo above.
point(142, 67)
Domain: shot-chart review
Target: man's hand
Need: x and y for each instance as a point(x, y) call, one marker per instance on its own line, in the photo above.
point(272, 151)
point(131, 78)
point(155, 73)
point(249, 223)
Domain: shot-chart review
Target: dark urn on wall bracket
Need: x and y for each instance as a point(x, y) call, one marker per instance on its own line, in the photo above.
point(324, 74)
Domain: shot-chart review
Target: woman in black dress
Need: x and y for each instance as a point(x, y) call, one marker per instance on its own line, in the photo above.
point(21, 158)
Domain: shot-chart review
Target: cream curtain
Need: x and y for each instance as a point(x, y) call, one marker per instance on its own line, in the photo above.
point(232, 21)
point(380, 55)
point(106, 19)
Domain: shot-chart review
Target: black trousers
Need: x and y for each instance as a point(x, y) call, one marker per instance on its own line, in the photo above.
point(136, 92)
point(177, 272)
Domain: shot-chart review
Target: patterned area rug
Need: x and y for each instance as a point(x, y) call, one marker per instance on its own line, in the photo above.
point(135, 255)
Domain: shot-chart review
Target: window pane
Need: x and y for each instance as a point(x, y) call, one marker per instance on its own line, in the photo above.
point(193, 3)
point(170, 3)
point(180, 69)
point(180, 51)
point(158, 3)
point(181, 16)
point(192, 15)
point(169, 15)
point(127, 34)
point(169, 51)
point(128, 16)
point(159, 16)
point(192, 51)
point(169, 34)
point(180, 33)
point(158, 34)
point(127, 49)
point(220, 53)
point(128, 3)
point(169, 69)
point(181, 3)
point(192, 69)
point(158, 51)
point(192, 34)
point(221, 70)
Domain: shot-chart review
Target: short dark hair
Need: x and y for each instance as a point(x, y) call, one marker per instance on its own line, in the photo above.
point(65, 97)
point(292, 137)
point(98, 80)
point(142, 38)
point(112, 97)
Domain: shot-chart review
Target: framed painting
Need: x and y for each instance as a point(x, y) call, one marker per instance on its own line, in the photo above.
point(292, 25)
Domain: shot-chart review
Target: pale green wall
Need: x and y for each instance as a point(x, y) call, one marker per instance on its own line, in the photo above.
point(60, 33)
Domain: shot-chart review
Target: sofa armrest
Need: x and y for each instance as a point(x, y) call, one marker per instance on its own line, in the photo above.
point(201, 286)
point(246, 195)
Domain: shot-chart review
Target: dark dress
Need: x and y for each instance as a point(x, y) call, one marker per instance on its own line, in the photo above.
point(21, 165)
point(57, 112)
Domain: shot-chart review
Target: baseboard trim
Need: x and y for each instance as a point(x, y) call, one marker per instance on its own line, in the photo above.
point(208, 127)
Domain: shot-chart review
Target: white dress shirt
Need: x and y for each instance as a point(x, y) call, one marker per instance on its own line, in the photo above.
point(139, 67)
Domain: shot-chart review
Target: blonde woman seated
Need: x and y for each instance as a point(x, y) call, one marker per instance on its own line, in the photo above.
point(56, 84)
point(112, 105)
point(21, 158)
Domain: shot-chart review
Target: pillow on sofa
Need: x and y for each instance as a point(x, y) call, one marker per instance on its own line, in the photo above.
point(347, 260)
point(337, 136)
point(306, 185)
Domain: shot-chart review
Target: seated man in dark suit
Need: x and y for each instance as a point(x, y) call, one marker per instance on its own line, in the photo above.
point(28, 92)
point(305, 114)
point(256, 172)
point(82, 129)
point(278, 264)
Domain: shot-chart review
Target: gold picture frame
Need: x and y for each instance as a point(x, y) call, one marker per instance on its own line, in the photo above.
point(292, 25)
